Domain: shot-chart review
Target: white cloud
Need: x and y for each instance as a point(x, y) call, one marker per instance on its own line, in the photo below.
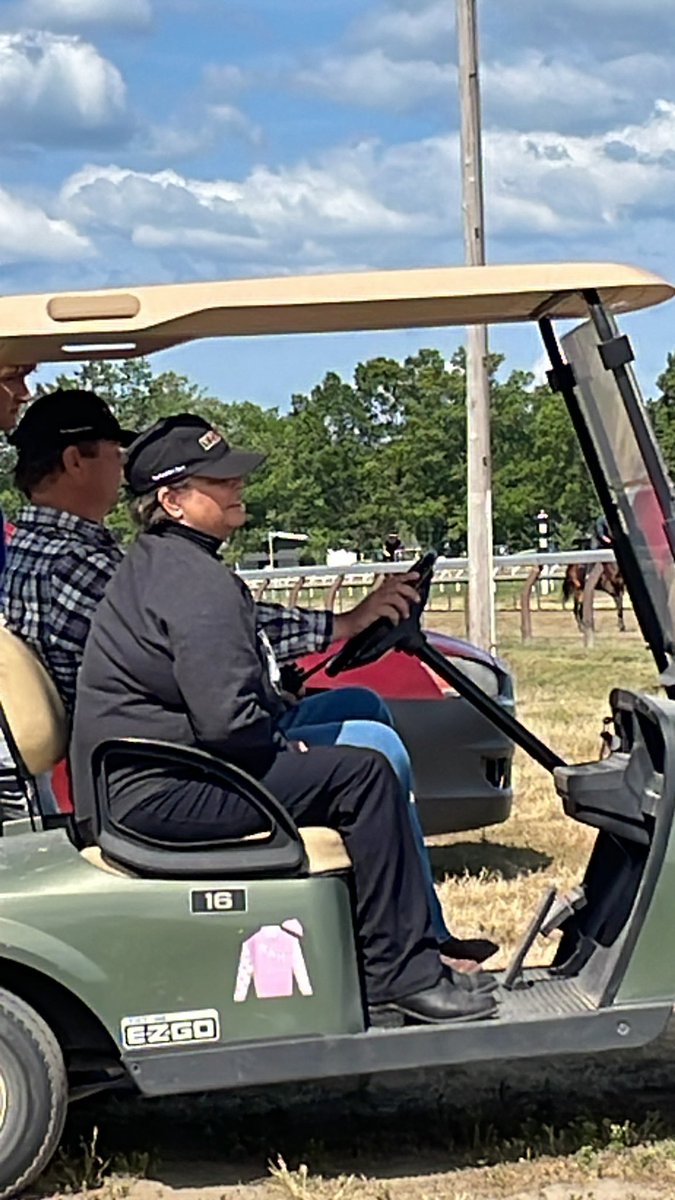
point(75, 14)
point(27, 234)
point(58, 90)
point(617, 7)
point(225, 79)
point(184, 138)
point(375, 80)
point(535, 82)
point(563, 95)
point(549, 195)
point(296, 218)
point(291, 202)
point(421, 28)
point(589, 181)
point(234, 121)
point(653, 141)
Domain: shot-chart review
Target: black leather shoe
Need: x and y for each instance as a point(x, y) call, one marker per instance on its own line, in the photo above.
point(476, 981)
point(444, 1002)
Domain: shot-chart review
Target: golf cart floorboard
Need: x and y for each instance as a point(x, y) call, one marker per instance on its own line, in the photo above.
point(537, 995)
point(542, 1017)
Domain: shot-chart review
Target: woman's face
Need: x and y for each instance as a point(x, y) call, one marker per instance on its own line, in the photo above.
point(212, 506)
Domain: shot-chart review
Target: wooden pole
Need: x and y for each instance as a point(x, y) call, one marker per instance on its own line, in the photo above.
point(526, 605)
point(479, 467)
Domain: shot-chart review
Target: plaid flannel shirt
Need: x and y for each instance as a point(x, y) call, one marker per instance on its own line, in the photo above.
point(295, 631)
point(58, 566)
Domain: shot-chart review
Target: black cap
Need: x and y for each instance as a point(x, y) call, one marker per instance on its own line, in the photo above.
point(174, 448)
point(64, 417)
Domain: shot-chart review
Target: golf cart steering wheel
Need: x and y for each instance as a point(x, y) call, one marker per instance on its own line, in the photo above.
point(382, 635)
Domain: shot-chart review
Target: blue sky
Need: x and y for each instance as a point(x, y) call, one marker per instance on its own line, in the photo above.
point(158, 140)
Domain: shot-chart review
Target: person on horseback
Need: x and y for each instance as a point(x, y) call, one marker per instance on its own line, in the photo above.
point(609, 580)
point(601, 538)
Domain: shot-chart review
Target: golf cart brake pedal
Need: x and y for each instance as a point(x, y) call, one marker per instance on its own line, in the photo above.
point(563, 907)
point(516, 965)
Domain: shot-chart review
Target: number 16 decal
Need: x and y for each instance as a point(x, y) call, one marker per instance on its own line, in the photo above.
point(218, 901)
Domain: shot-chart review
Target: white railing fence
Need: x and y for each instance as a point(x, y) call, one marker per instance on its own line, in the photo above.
point(527, 578)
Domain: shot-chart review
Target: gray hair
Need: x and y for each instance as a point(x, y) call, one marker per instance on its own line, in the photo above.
point(146, 511)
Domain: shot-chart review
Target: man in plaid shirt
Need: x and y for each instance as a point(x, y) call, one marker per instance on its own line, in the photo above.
point(61, 556)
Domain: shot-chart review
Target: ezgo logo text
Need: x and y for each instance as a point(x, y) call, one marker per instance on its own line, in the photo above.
point(170, 1029)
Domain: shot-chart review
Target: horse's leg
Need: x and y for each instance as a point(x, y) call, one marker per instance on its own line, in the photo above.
point(618, 600)
point(578, 610)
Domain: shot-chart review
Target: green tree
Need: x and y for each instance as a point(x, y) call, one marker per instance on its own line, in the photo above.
point(351, 461)
point(415, 481)
point(662, 412)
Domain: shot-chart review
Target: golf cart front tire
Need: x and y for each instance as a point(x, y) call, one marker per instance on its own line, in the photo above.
point(33, 1094)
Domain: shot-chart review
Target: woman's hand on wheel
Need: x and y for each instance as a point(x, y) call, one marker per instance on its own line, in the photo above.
point(392, 599)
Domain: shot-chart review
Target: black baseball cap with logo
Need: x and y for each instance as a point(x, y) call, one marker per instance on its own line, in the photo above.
point(175, 448)
point(65, 417)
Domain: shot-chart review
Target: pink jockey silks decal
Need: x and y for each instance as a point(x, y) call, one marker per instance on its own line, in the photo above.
point(272, 960)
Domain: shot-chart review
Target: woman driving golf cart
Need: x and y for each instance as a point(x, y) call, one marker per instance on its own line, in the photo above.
point(174, 654)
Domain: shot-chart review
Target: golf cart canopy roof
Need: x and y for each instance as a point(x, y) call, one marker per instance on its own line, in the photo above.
point(124, 323)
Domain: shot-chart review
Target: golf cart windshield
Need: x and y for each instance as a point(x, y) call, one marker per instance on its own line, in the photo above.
point(634, 473)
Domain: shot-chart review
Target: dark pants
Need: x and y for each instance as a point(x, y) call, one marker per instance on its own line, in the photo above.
point(354, 791)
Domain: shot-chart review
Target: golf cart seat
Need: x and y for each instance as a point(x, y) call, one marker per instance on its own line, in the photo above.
point(36, 728)
point(32, 716)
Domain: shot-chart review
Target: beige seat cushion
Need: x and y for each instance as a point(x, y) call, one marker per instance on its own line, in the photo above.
point(325, 852)
point(32, 705)
point(93, 855)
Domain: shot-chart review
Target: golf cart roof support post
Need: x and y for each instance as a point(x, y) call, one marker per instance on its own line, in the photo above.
point(561, 379)
point(608, 338)
point(485, 705)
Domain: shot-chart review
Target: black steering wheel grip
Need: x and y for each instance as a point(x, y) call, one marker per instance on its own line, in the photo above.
point(382, 635)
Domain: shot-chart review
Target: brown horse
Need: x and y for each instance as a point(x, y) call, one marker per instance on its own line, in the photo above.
point(610, 581)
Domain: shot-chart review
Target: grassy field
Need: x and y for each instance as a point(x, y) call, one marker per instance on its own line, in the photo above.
point(442, 1136)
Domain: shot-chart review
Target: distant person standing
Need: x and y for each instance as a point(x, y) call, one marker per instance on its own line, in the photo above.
point(391, 547)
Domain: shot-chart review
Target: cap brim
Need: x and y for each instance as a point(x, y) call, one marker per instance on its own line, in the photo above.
point(234, 464)
point(127, 436)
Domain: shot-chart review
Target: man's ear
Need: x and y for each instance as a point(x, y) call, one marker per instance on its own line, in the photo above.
point(70, 460)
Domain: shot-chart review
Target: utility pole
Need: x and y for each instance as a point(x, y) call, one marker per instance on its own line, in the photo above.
point(479, 466)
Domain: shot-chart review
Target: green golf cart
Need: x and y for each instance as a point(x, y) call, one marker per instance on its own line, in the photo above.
point(146, 965)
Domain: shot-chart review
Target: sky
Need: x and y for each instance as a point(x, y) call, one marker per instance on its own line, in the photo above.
point(150, 141)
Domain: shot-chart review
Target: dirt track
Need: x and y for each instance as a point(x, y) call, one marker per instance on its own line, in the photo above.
point(410, 1188)
point(564, 1133)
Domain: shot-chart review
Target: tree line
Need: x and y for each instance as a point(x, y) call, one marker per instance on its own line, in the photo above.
point(352, 461)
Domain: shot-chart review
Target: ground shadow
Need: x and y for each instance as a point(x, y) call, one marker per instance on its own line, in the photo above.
point(503, 862)
point(383, 1128)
